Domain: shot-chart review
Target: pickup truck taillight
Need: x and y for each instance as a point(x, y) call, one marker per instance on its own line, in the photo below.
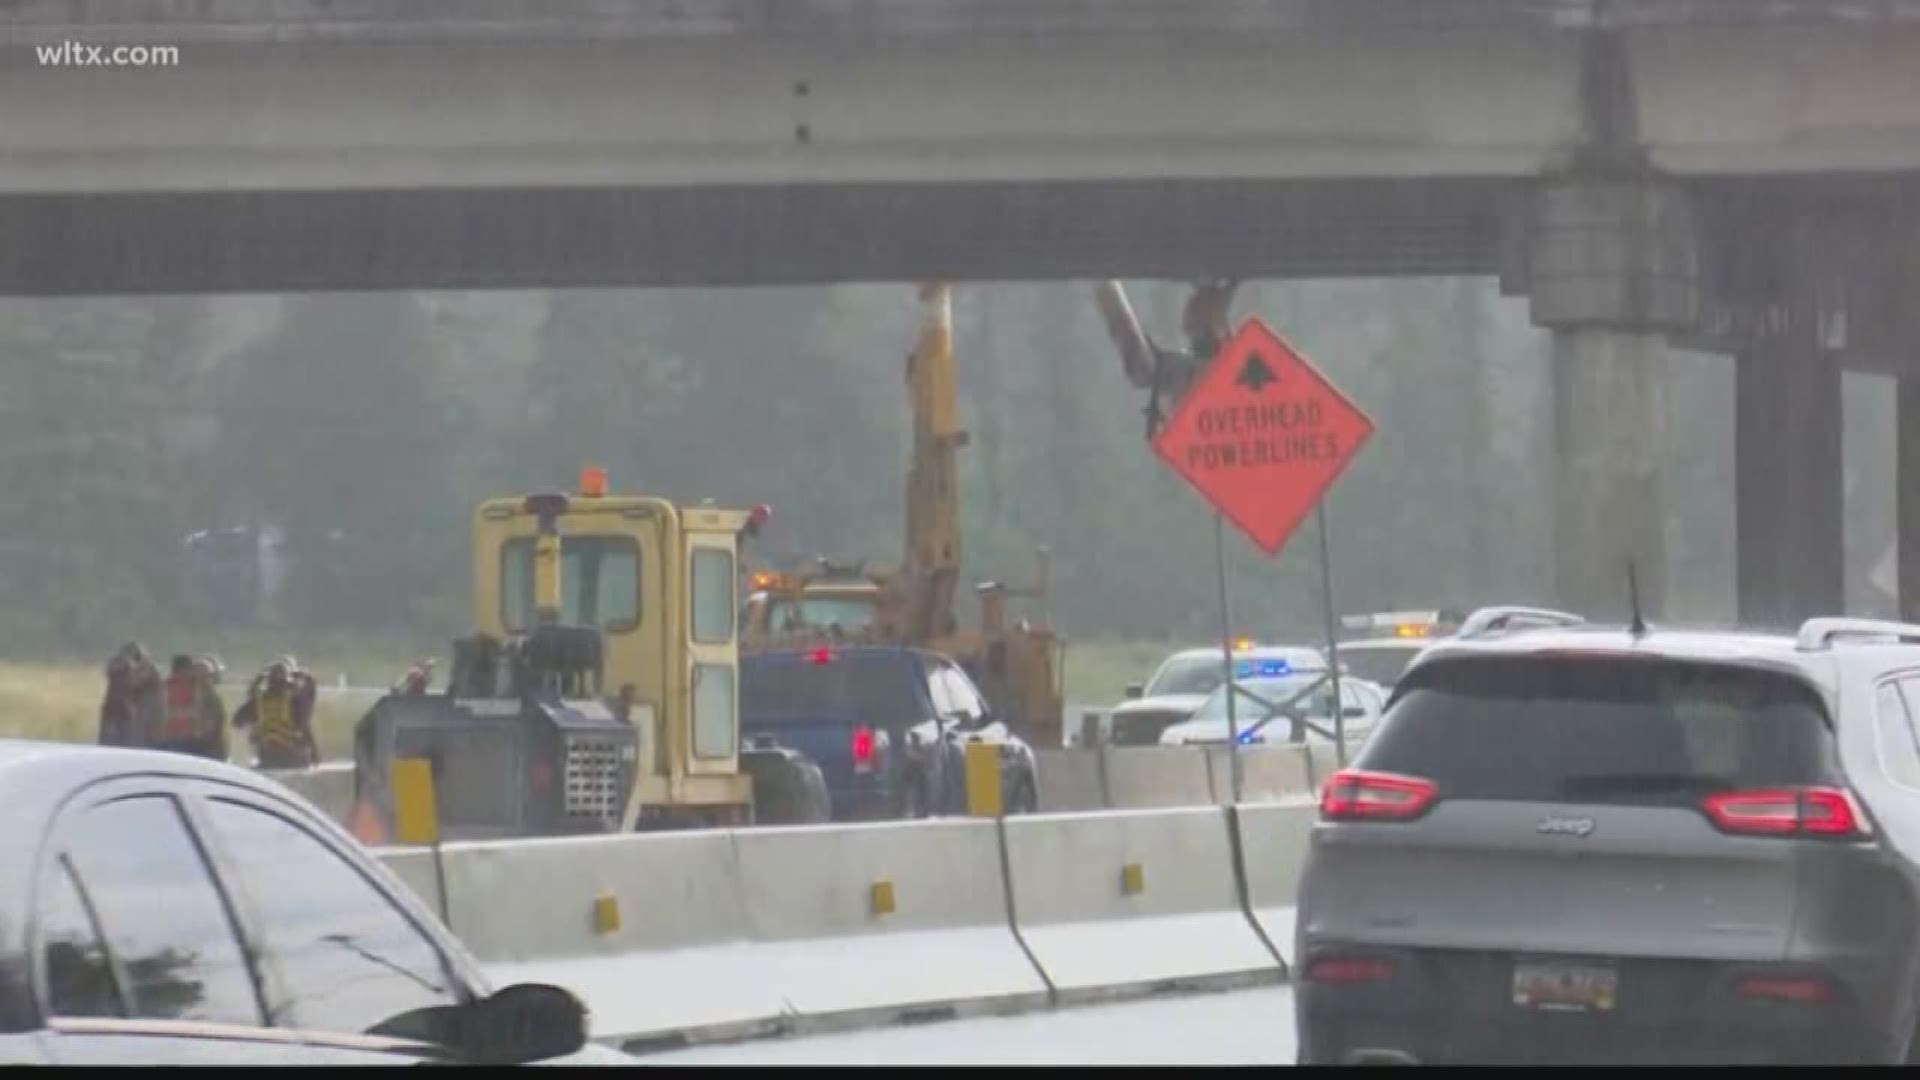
point(862, 749)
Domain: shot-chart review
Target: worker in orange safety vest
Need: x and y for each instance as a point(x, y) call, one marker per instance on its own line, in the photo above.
point(193, 720)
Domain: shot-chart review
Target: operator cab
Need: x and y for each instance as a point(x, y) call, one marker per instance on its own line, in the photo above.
point(833, 600)
point(597, 689)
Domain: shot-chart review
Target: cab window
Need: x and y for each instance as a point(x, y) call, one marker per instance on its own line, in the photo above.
point(712, 595)
point(159, 914)
point(959, 693)
point(599, 582)
point(714, 714)
point(351, 962)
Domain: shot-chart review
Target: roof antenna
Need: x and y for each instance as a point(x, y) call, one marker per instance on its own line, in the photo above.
point(1639, 626)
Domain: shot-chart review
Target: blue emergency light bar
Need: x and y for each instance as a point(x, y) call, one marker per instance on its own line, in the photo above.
point(1247, 669)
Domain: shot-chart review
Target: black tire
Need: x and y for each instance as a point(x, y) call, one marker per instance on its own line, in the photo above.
point(913, 797)
point(1025, 799)
point(788, 790)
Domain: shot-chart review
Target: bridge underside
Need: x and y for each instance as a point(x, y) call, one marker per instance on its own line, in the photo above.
point(461, 238)
point(156, 243)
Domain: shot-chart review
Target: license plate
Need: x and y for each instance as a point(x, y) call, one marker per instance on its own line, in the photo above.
point(1564, 985)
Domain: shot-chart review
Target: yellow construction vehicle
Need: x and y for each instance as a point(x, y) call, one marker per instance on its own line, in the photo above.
point(1016, 663)
point(598, 689)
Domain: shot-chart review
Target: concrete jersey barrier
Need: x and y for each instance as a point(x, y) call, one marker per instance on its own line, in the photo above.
point(906, 916)
point(1129, 899)
point(1127, 777)
point(1273, 845)
point(650, 930)
point(719, 934)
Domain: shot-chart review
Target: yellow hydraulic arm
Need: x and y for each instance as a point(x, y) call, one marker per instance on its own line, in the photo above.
point(1166, 372)
point(931, 570)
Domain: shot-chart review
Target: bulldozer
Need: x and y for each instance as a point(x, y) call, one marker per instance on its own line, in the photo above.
point(1016, 663)
point(597, 691)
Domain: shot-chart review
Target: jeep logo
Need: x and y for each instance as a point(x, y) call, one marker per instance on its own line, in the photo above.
point(1562, 826)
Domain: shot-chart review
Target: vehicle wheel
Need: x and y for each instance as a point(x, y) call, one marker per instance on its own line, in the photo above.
point(913, 799)
point(789, 790)
point(1025, 799)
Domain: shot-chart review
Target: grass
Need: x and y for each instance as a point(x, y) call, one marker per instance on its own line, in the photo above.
point(60, 700)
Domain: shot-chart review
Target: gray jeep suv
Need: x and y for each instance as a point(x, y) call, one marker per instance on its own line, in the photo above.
point(1584, 844)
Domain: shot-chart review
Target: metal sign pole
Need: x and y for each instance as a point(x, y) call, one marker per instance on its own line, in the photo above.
point(1226, 652)
point(1333, 643)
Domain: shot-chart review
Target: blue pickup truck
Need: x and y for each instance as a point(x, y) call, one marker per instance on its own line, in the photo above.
point(885, 724)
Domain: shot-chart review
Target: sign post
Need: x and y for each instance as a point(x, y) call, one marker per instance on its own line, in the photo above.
point(1262, 435)
point(1226, 652)
point(1333, 639)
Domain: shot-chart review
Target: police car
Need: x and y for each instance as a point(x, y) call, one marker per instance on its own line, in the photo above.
point(1276, 704)
point(1184, 680)
point(1385, 642)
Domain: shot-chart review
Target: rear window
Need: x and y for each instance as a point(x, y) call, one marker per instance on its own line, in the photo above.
point(1600, 731)
point(877, 691)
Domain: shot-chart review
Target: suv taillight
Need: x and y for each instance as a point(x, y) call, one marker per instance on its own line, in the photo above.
point(862, 749)
point(1796, 811)
point(1359, 795)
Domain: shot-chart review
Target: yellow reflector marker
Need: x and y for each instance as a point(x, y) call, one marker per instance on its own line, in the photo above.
point(606, 913)
point(416, 817)
point(1133, 879)
point(880, 898)
point(983, 780)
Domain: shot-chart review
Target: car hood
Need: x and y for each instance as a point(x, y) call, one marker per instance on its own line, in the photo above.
point(1275, 732)
point(993, 731)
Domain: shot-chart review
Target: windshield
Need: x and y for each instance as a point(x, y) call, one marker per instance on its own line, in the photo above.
point(1259, 699)
point(599, 582)
point(847, 613)
point(1187, 675)
point(1600, 731)
point(876, 691)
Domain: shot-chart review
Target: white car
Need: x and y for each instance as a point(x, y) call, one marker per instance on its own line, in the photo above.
point(1183, 682)
point(1267, 707)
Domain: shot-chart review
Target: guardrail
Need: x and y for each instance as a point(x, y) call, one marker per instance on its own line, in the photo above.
point(676, 938)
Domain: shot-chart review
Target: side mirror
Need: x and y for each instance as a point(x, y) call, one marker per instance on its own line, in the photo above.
point(522, 1023)
point(1134, 691)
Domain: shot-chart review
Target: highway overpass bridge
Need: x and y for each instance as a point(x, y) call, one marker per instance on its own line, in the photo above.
point(1736, 175)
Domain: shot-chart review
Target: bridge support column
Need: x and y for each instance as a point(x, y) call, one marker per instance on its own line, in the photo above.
point(1906, 480)
point(1608, 435)
point(1790, 521)
point(1609, 268)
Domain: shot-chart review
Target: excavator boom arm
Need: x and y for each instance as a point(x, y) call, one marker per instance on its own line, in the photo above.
point(931, 570)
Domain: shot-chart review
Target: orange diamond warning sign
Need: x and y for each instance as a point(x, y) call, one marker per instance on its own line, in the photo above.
point(1262, 435)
